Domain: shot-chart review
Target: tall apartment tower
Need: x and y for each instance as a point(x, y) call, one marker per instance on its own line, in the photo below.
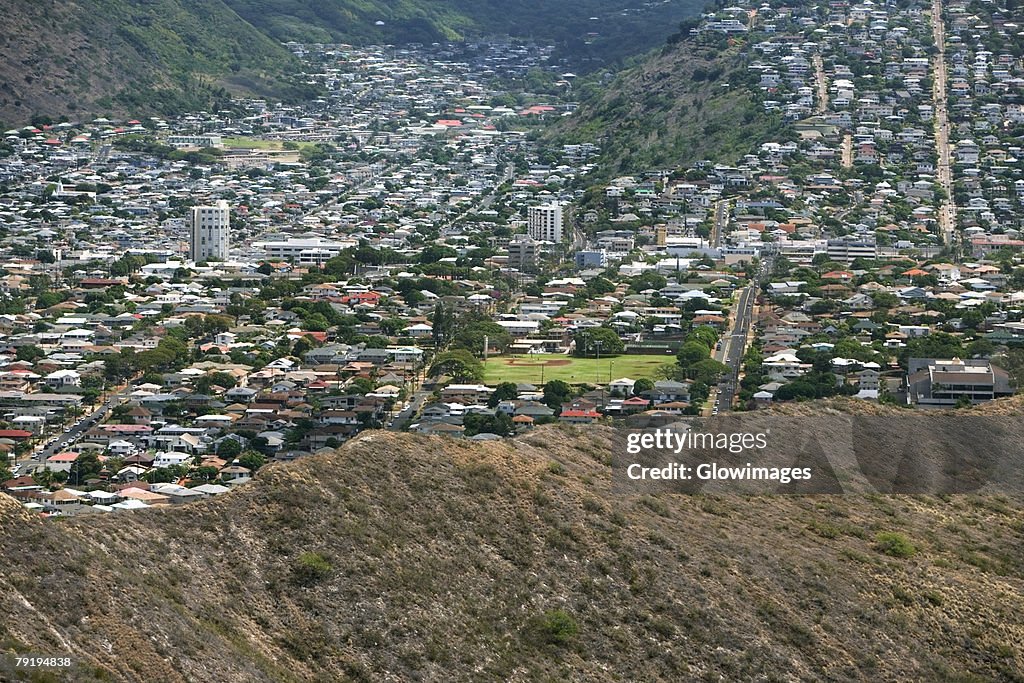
point(544, 222)
point(211, 227)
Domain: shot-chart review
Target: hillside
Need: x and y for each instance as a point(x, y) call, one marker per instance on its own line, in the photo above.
point(682, 104)
point(588, 33)
point(414, 558)
point(169, 56)
point(115, 56)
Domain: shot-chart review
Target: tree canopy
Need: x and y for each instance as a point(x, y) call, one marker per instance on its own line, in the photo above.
point(598, 341)
point(458, 364)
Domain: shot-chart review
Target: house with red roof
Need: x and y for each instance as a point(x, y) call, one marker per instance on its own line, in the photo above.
point(321, 337)
point(915, 272)
point(579, 417)
point(840, 275)
point(635, 404)
point(362, 298)
point(61, 462)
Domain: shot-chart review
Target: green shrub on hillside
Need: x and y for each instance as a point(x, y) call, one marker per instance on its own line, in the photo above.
point(894, 544)
point(554, 627)
point(310, 568)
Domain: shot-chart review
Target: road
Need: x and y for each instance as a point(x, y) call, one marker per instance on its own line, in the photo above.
point(720, 222)
point(734, 345)
point(732, 349)
point(410, 411)
point(579, 238)
point(944, 172)
point(821, 82)
point(102, 154)
point(70, 436)
point(483, 203)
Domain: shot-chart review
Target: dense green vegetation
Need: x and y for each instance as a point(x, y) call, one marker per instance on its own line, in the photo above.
point(353, 21)
point(168, 56)
point(201, 45)
point(688, 103)
point(165, 56)
point(587, 33)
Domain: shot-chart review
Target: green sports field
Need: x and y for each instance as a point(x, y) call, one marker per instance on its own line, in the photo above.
point(255, 143)
point(536, 369)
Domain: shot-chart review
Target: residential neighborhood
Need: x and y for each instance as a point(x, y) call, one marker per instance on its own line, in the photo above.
point(183, 300)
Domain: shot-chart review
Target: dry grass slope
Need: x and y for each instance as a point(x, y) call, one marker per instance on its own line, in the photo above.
point(412, 558)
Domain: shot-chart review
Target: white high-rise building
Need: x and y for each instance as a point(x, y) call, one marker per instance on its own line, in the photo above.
point(211, 227)
point(544, 222)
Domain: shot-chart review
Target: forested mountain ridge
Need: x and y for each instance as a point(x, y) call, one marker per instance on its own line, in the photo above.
point(110, 56)
point(169, 56)
point(687, 102)
point(586, 32)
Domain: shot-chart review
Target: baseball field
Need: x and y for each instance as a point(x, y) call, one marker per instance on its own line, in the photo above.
point(540, 368)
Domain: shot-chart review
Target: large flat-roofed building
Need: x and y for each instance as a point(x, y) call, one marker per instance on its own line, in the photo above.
point(522, 253)
point(199, 141)
point(848, 250)
point(799, 251)
point(591, 259)
point(937, 382)
point(312, 251)
point(210, 232)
